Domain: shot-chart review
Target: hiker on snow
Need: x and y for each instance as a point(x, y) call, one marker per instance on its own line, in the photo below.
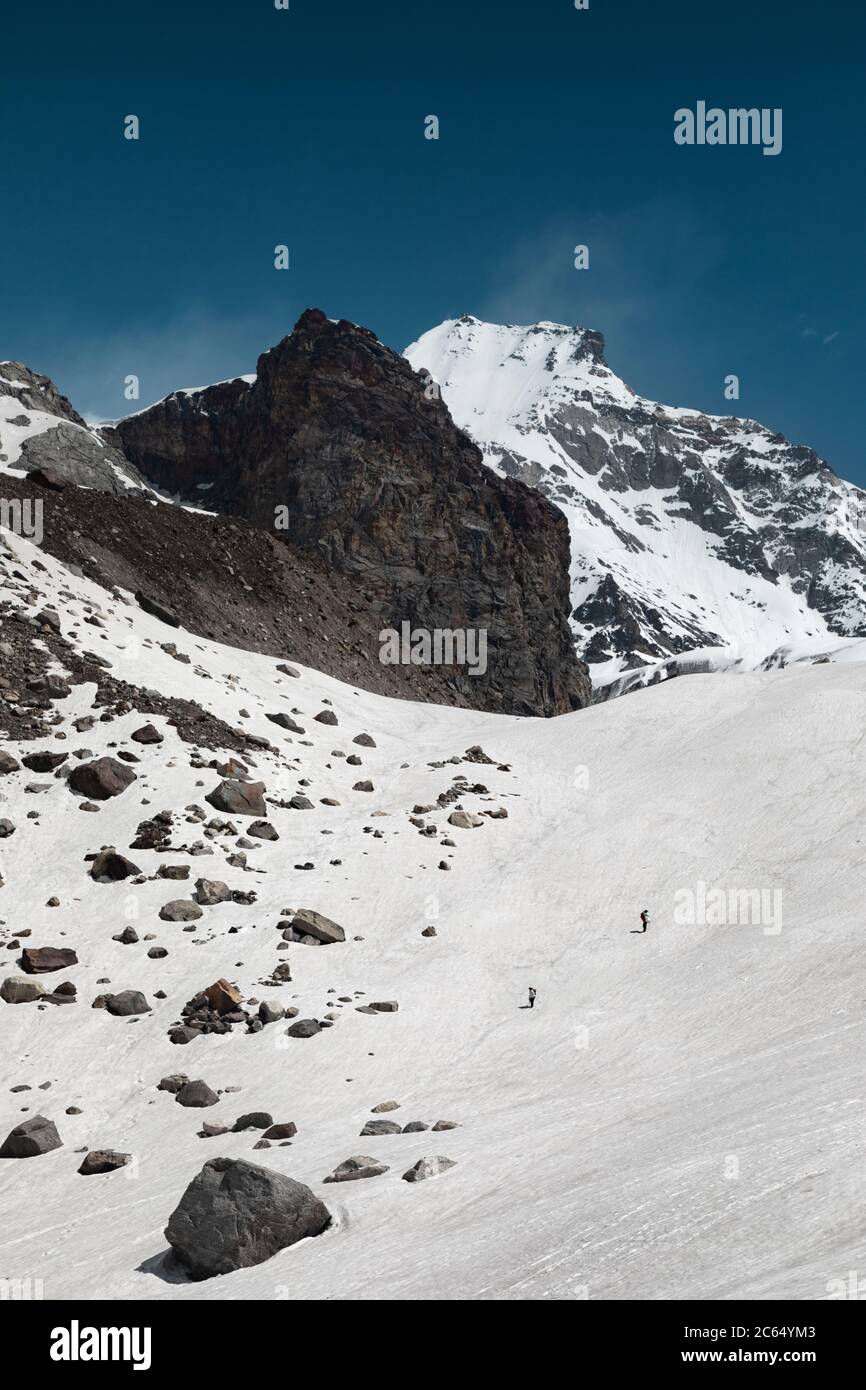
point(531, 997)
point(644, 920)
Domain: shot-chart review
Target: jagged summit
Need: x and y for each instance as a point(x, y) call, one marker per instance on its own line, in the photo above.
point(688, 530)
point(337, 431)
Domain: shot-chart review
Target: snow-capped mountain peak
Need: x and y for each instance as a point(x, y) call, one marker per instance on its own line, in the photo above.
point(688, 530)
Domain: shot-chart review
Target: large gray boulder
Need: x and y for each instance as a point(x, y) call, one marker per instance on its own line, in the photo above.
point(101, 779)
point(180, 910)
point(235, 1214)
point(124, 1004)
point(196, 1095)
point(210, 891)
point(306, 922)
point(381, 1127)
point(111, 867)
point(238, 798)
point(285, 721)
point(359, 1166)
point(429, 1167)
point(31, 1138)
point(16, 990)
point(41, 960)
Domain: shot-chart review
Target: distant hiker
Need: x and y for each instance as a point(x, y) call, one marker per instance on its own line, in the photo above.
point(644, 918)
point(531, 997)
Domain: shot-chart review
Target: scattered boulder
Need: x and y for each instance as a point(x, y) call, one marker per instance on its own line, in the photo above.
point(156, 609)
point(464, 820)
point(366, 786)
point(304, 1028)
point(287, 1130)
point(209, 891)
point(103, 1161)
point(196, 1095)
point(16, 990)
point(238, 798)
point(365, 740)
point(173, 1083)
point(183, 1034)
point(101, 779)
point(126, 1003)
point(256, 1119)
point(8, 763)
point(270, 1011)
point(111, 867)
point(7, 828)
point(385, 1006)
point(326, 716)
point(235, 1214)
point(285, 721)
point(415, 1127)
point(306, 922)
point(180, 910)
point(44, 762)
point(31, 1138)
point(358, 1167)
point(381, 1127)
point(262, 830)
point(384, 1106)
point(427, 1168)
point(223, 997)
point(148, 733)
point(41, 960)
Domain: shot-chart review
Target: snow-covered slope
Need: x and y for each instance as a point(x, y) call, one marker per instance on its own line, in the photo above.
point(688, 530)
point(40, 429)
point(681, 1116)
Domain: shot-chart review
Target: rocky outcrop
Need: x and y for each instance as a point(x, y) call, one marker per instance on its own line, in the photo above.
point(69, 449)
point(337, 446)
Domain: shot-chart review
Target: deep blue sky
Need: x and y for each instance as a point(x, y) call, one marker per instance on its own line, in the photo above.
point(260, 126)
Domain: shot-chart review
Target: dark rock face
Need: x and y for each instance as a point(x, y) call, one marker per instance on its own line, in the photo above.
point(236, 1214)
point(32, 1138)
point(376, 480)
point(101, 779)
